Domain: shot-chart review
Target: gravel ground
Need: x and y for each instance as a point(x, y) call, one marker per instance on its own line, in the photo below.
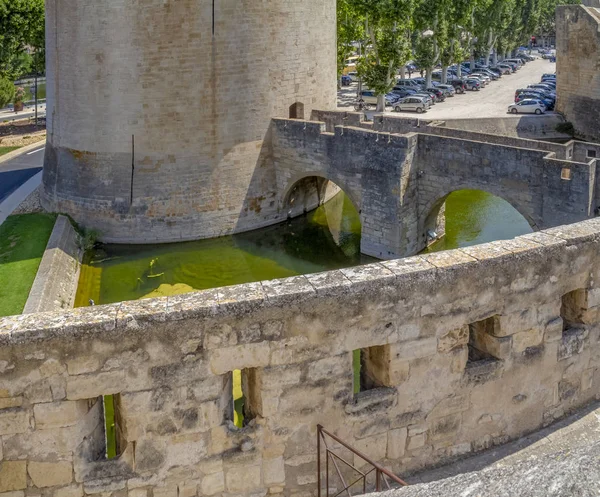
point(492, 101)
point(21, 133)
point(31, 204)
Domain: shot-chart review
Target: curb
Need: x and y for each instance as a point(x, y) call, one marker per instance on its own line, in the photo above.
point(22, 150)
point(13, 201)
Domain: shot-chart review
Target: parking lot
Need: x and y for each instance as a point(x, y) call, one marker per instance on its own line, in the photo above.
point(491, 101)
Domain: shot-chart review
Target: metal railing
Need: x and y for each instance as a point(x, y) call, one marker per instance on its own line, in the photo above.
point(381, 474)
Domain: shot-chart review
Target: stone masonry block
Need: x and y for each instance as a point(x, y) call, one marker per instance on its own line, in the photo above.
point(90, 386)
point(14, 421)
point(71, 491)
point(329, 367)
point(396, 444)
point(13, 475)
point(525, 339)
point(59, 414)
point(213, 484)
point(415, 349)
point(498, 347)
point(274, 471)
point(243, 479)
point(453, 339)
point(252, 355)
point(50, 474)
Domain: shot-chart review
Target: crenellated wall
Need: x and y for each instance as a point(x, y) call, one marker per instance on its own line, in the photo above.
point(399, 172)
point(463, 350)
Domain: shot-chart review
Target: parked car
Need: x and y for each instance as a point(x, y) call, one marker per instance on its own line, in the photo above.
point(483, 76)
point(473, 84)
point(420, 81)
point(539, 93)
point(544, 88)
point(518, 62)
point(548, 103)
point(408, 83)
point(437, 94)
point(346, 80)
point(353, 76)
point(413, 103)
point(501, 70)
point(459, 85)
point(447, 89)
point(528, 106)
point(549, 76)
point(427, 96)
point(403, 92)
point(479, 78)
point(492, 74)
point(369, 97)
point(513, 65)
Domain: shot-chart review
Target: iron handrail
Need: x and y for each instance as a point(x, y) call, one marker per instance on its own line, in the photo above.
point(380, 471)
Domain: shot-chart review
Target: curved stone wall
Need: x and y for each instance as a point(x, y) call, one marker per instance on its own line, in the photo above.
point(464, 350)
point(184, 92)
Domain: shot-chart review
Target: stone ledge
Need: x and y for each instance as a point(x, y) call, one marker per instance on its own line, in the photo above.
point(55, 284)
point(242, 299)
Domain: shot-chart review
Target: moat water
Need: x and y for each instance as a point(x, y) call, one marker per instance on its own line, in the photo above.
point(327, 238)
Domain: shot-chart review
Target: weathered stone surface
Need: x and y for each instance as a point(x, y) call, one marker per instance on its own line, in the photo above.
point(59, 414)
point(453, 339)
point(396, 444)
point(71, 491)
point(213, 484)
point(13, 475)
point(243, 479)
point(14, 421)
point(91, 386)
point(50, 474)
point(274, 471)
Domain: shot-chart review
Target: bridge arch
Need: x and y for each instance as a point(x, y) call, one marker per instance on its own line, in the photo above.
point(312, 188)
point(432, 213)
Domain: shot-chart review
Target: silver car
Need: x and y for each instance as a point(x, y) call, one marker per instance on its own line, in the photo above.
point(413, 103)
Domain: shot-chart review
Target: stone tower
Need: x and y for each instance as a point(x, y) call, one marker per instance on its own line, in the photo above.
point(159, 110)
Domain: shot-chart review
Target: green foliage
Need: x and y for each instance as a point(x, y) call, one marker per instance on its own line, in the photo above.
point(89, 238)
point(21, 29)
point(7, 92)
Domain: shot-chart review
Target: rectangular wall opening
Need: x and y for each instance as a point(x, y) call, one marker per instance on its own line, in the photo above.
point(245, 392)
point(572, 309)
point(479, 349)
point(113, 429)
point(591, 154)
point(371, 368)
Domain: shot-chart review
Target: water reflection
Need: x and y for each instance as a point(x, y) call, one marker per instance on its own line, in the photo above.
point(327, 238)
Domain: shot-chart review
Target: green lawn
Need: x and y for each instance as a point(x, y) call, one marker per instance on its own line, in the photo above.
point(23, 240)
point(5, 150)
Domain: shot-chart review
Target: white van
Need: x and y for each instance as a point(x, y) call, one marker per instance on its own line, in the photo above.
point(519, 62)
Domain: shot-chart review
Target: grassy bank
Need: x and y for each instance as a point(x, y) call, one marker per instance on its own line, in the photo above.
point(23, 240)
point(6, 150)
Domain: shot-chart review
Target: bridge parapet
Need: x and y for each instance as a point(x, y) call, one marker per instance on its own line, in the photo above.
point(462, 350)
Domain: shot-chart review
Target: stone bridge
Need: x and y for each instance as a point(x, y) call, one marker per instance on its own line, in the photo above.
point(399, 172)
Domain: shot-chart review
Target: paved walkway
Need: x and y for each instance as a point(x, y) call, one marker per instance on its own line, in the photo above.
point(20, 175)
point(566, 444)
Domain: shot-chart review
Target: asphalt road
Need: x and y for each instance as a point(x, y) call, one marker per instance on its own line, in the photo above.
point(491, 101)
point(15, 172)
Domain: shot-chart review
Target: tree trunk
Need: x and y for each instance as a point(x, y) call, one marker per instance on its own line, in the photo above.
point(458, 71)
point(444, 74)
point(495, 58)
point(428, 74)
point(380, 103)
point(472, 62)
point(403, 72)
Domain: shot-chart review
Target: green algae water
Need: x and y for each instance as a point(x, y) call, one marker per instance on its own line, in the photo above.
point(474, 217)
point(324, 239)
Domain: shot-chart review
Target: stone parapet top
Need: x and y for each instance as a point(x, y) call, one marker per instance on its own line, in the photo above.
point(239, 300)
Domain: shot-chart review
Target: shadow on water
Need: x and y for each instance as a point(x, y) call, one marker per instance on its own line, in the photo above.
point(326, 238)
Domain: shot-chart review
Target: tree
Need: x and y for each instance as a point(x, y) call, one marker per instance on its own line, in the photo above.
point(547, 20)
point(386, 28)
point(21, 30)
point(7, 91)
point(350, 30)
